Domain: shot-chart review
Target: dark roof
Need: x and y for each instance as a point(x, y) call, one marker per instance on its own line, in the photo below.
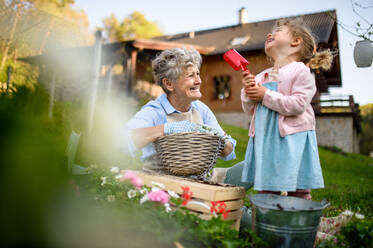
point(110, 52)
point(254, 34)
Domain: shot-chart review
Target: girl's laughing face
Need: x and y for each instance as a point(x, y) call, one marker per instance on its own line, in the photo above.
point(280, 38)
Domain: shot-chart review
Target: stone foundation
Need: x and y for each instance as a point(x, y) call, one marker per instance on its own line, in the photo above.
point(338, 131)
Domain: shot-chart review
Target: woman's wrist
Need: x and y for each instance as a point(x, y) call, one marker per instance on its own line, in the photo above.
point(142, 137)
point(228, 148)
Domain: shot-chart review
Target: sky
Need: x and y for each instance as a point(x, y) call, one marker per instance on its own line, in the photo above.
point(174, 16)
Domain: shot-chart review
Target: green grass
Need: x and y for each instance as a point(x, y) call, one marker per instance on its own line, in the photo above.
point(241, 136)
point(348, 178)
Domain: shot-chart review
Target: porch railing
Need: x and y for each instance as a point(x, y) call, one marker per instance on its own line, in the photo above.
point(339, 104)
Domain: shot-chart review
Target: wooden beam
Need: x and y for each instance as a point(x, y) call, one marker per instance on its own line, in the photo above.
point(163, 45)
point(204, 191)
point(132, 72)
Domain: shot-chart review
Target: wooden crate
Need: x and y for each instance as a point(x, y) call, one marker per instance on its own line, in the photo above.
point(203, 193)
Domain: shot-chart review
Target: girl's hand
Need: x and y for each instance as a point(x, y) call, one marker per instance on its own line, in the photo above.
point(248, 80)
point(256, 93)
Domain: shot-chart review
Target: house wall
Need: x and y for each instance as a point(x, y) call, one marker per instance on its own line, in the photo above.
point(238, 119)
point(215, 66)
point(337, 131)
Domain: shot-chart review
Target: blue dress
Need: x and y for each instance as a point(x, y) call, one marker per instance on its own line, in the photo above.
point(278, 163)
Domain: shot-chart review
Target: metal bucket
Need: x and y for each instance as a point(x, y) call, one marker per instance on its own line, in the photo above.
point(284, 221)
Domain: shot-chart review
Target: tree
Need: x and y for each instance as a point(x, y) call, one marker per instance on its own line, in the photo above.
point(32, 27)
point(364, 27)
point(135, 26)
point(62, 24)
point(112, 28)
point(17, 6)
point(31, 24)
point(366, 141)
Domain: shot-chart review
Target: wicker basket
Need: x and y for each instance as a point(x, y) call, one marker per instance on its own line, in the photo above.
point(186, 154)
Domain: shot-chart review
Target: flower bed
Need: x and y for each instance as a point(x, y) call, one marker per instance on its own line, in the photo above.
point(170, 208)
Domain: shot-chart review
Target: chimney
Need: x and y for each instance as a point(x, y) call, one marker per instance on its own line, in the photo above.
point(243, 16)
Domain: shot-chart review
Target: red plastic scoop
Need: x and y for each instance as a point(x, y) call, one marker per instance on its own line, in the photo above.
point(236, 60)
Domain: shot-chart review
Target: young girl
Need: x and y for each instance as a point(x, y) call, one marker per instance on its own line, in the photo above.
point(282, 154)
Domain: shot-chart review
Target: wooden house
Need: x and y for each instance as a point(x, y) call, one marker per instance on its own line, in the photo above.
point(125, 67)
point(222, 85)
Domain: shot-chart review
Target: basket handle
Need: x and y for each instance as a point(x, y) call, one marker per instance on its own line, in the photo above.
point(324, 203)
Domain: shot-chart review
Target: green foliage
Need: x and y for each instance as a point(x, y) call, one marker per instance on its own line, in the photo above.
point(32, 165)
point(64, 9)
point(218, 233)
point(22, 74)
point(135, 26)
point(356, 234)
point(180, 225)
point(31, 27)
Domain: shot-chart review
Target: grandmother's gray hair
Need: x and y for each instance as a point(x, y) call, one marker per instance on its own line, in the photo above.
point(171, 62)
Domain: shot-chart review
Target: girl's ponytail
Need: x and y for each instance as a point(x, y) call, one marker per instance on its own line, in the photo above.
point(307, 54)
point(322, 59)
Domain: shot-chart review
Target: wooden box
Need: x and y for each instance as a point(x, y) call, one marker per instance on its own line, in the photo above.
point(202, 192)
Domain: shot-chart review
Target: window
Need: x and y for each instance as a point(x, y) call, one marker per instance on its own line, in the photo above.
point(222, 87)
point(241, 40)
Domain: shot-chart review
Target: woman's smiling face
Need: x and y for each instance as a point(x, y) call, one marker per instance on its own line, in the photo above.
point(187, 86)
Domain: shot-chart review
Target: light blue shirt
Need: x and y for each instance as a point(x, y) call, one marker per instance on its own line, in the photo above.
point(155, 113)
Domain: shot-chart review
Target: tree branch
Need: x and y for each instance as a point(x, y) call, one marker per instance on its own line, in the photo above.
point(342, 25)
point(363, 7)
point(358, 14)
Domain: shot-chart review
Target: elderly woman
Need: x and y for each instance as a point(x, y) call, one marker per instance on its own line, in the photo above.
point(177, 110)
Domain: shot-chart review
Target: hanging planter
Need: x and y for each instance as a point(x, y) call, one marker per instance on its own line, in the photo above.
point(363, 53)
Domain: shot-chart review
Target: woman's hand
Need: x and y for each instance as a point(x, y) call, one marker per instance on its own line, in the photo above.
point(227, 149)
point(181, 127)
point(142, 137)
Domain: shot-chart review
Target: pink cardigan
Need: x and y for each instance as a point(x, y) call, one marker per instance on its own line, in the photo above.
point(296, 88)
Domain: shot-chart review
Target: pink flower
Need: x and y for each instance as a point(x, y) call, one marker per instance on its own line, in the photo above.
point(128, 175)
point(137, 182)
point(158, 196)
point(131, 176)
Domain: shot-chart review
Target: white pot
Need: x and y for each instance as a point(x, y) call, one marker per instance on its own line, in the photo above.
point(363, 53)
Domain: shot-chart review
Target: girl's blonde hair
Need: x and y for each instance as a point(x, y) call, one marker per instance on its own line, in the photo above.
point(308, 53)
